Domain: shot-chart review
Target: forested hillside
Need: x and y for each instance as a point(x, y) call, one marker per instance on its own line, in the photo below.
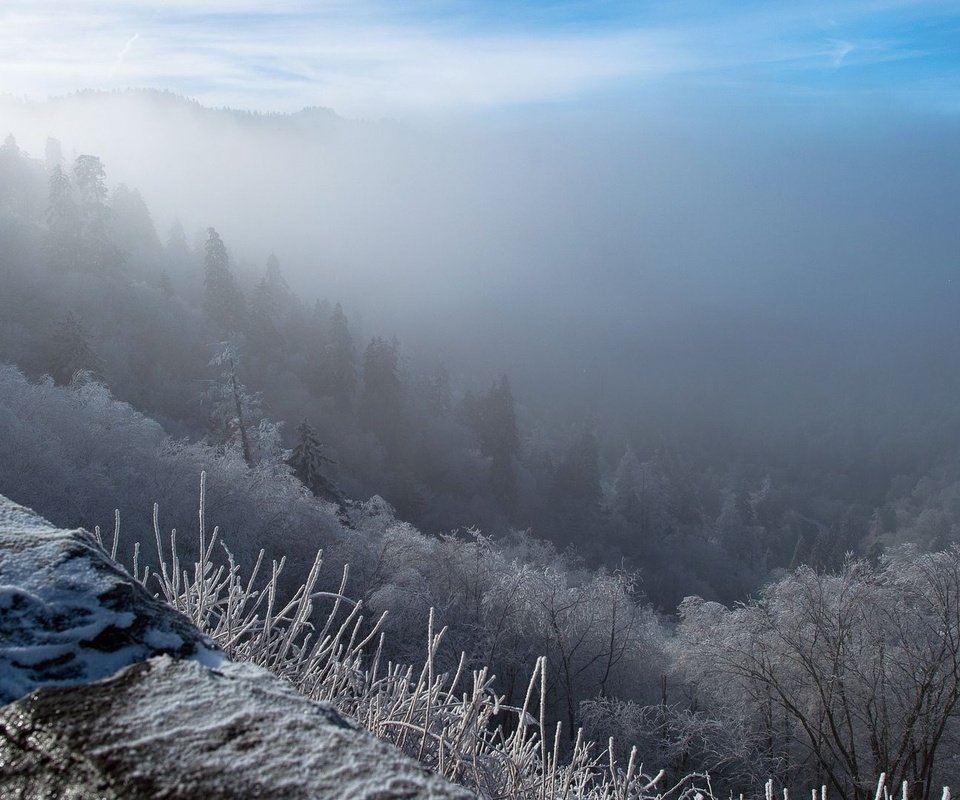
point(133, 359)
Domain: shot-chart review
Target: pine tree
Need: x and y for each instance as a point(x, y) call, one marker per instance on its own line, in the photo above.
point(10, 148)
point(132, 224)
point(177, 247)
point(308, 461)
point(14, 166)
point(63, 222)
point(381, 402)
point(497, 434)
point(338, 369)
point(90, 176)
point(275, 280)
point(264, 316)
point(69, 353)
point(222, 299)
point(496, 429)
point(576, 487)
point(440, 398)
point(97, 252)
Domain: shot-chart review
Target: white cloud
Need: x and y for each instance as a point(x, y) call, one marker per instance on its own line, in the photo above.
point(356, 65)
point(356, 58)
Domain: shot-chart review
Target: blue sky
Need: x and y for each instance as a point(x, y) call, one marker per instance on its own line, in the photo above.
point(406, 58)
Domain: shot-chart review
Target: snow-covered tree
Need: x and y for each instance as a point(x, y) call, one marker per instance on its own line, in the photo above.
point(850, 675)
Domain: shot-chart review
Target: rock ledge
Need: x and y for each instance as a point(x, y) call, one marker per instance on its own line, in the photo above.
point(112, 694)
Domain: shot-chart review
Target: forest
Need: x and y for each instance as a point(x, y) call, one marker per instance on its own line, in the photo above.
point(750, 606)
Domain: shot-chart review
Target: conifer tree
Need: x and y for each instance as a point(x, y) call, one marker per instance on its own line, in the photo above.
point(97, 252)
point(498, 434)
point(63, 222)
point(308, 461)
point(576, 486)
point(222, 299)
point(14, 192)
point(69, 353)
point(275, 280)
point(338, 371)
point(10, 148)
point(381, 402)
point(177, 247)
point(264, 316)
point(499, 439)
point(440, 397)
point(132, 224)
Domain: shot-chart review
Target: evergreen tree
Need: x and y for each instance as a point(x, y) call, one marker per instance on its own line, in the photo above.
point(336, 372)
point(91, 178)
point(275, 280)
point(580, 471)
point(341, 360)
point(14, 185)
point(498, 435)
point(576, 487)
point(308, 462)
point(63, 222)
point(270, 303)
point(177, 247)
point(69, 353)
point(222, 299)
point(132, 225)
point(10, 148)
point(496, 429)
point(381, 401)
point(440, 398)
point(97, 252)
point(264, 316)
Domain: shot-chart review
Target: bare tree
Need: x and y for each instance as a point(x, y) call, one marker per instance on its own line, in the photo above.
point(859, 671)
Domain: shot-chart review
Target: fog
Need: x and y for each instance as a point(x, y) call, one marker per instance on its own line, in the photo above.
point(730, 340)
point(707, 271)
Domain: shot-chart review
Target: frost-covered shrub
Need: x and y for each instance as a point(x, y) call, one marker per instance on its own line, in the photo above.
point(74, 454)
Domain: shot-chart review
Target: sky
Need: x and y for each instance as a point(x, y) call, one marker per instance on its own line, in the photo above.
point(368, 59)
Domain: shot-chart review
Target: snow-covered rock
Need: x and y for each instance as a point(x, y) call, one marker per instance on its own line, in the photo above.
point(69, 614)
point(168, 728)
point(116, 695)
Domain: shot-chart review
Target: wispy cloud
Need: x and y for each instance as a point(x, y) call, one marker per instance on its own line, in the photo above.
point(122, 55)
point(364, 58)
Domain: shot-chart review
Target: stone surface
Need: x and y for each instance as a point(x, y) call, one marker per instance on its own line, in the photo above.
point(115, 695)
point(175, 729)
point(70, 615)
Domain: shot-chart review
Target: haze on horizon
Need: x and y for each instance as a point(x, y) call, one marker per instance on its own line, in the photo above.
point(730, 211)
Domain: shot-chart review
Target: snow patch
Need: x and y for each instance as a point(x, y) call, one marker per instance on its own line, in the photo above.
point(71, 615)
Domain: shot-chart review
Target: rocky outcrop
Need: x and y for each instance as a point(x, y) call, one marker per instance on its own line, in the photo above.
point(70, 615)
point(110, 693)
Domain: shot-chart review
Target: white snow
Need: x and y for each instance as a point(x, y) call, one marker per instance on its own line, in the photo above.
point(70, 615)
